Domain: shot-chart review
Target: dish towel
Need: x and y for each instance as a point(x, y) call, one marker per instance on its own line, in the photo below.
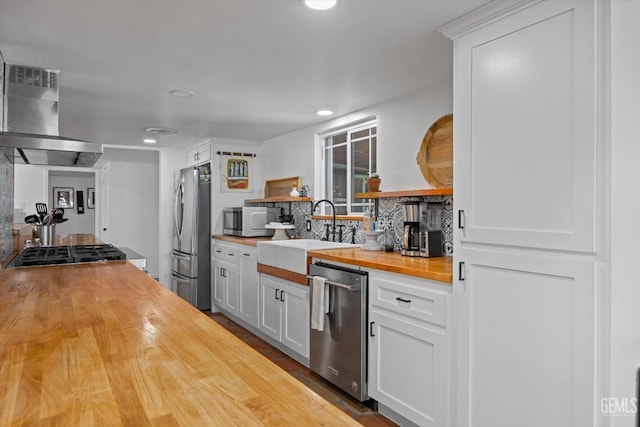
point(320, 302)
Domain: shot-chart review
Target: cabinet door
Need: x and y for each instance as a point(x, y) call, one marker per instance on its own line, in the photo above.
point(295, 317)
point(230, 273)
point(249, 288)
point(525, 128)
point(219, 284)
point(270, 307)
point(192, 156)
point(204, 153)
point(408, 368)
point(526, 333)
point(199, 154)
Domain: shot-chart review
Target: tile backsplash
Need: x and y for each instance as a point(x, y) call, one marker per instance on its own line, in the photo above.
point(390, 215)
point(6, 201)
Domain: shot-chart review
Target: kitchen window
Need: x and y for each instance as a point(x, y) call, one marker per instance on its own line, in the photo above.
point(348, 157)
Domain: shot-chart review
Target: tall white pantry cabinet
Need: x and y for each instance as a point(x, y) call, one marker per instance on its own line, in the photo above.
point(528, 175)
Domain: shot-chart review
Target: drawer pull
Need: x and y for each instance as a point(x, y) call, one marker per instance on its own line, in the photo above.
point(408, 301)
point(246, 254)
point(230, 254)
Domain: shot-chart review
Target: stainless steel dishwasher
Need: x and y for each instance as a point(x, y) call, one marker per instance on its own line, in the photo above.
point(339, 352)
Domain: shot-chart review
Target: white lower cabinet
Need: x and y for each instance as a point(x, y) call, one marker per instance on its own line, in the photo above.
point(235, 287)
point(409, 347)
point(526, 327)
point(249, 287)
point(227, 281)
point(284, 314)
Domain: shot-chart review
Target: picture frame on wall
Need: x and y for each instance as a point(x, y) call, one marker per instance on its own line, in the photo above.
point(236, 173)
point(91, 198)
point(63, 197)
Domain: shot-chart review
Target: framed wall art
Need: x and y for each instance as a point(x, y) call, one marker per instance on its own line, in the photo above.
point(91, 198)
point(236, 174)
point(63, 197)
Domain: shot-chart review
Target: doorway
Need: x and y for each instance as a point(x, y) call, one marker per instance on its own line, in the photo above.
point(76, 190)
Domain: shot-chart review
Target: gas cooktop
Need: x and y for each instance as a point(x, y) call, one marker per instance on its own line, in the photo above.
point(47, 255)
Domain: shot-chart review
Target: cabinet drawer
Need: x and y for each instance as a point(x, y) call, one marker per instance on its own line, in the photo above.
point(247, 254)
point(225, 252)
point(409, 297)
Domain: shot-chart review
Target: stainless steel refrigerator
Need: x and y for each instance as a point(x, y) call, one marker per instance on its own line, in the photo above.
point(191, 257)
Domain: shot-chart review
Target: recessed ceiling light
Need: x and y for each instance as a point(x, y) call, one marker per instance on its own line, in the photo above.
point(161, 131)
point(179, 93)
point(149, 141)
point(324, 112)
point(320, 4)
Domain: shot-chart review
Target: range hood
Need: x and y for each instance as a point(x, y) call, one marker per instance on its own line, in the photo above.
point(29, 120)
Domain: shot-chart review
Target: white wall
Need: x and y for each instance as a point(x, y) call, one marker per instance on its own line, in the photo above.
point(30, 187)
point(220, 200)
point(79, 181)
point(133, 205)
point(625, 203)
point(402, 124)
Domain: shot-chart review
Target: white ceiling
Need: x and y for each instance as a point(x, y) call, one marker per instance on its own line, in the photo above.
point(259, 68)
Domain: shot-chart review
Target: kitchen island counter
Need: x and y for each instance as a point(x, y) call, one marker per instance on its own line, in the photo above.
point(105, 344)
point(437, 268)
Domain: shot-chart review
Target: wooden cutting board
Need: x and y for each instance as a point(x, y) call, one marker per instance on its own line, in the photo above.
point(436, 153)
point(281, 187)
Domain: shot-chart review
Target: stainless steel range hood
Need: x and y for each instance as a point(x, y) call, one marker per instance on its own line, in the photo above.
point(29, 120)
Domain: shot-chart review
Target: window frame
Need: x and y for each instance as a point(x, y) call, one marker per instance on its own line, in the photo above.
point(321, 167)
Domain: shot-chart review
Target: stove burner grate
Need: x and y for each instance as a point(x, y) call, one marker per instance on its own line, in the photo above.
point(46, 255)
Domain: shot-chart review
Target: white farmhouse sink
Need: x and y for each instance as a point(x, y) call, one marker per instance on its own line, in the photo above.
point(292, 254)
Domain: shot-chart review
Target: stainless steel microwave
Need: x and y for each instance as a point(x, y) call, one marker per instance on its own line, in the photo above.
point(249, 221)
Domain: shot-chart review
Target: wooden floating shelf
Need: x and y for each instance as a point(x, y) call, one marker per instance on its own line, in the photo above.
point(279, 199)
point(338, 217)
point(406, 193)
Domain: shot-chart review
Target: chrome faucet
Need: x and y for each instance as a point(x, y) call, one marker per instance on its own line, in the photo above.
point(333, 209)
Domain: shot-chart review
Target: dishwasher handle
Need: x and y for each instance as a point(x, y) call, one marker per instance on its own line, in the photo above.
point(350, 288)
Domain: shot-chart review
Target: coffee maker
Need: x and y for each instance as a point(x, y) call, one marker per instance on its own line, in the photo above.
point(422, 235)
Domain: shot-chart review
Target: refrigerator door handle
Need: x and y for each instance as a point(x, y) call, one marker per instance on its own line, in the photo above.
point(178, 198)
point(180, 276)
point(175, 254)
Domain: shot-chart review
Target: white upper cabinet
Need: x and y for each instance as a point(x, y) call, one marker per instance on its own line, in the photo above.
point(199, 154)
point(525, 128)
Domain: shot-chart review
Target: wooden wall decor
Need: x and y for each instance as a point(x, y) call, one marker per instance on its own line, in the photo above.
point(436, 153)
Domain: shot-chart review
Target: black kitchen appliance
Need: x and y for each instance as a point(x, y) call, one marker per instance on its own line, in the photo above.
point(48, 255)
point(422, 235)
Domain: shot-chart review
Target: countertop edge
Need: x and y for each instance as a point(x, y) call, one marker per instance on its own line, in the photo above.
point(247, 241)
point(446, 277)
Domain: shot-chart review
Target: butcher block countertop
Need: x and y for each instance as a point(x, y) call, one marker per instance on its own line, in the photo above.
point(105, 344)
point(249, 241)
point(438, 268)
